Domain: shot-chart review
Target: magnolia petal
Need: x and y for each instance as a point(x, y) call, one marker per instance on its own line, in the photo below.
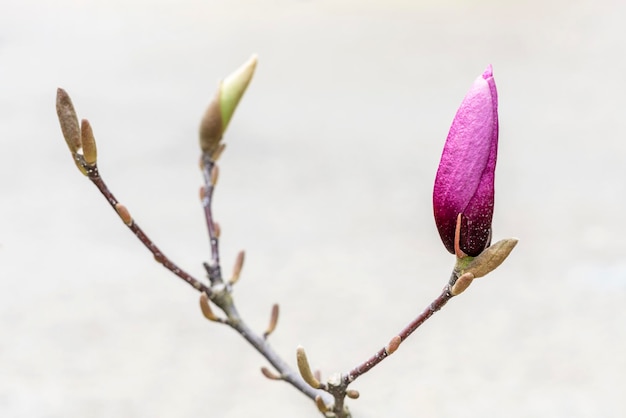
point(465, 178)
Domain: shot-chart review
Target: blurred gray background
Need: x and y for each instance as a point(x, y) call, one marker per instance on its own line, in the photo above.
point(326, 183)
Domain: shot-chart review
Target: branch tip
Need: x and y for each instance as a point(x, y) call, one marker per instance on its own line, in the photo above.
point(68, 120)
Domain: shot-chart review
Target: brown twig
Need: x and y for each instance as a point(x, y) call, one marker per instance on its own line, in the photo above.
point(222, 294)
point(386, 351)
point(96, 179)
point(209, 172)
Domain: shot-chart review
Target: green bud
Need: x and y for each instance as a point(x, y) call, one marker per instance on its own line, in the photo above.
point(221, 109)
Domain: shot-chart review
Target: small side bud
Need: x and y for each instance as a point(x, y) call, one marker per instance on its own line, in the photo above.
point(238, 267)
point(123, 212)
point(90, 153)
point(206, 308)
point(270, 374)
point(305, 369)
point(68, 120)
point(491, 258)
point(321, 406)
point(393, 345)
point(202, 193)
point(352, 394)
point(461, 284)
point(218, 229)
point(273, 321)
point(215, 173)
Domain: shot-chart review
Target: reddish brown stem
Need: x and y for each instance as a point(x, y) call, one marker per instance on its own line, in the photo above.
point(383, 353)
point(95, 178)
point(213, 268)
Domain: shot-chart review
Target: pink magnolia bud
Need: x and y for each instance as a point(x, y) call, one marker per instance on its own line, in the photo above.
point(465, 179)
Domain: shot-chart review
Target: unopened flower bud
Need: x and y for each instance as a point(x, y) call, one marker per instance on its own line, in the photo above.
point(221, 109)
point(465, 179)
point(68, 120)
point(90, 152)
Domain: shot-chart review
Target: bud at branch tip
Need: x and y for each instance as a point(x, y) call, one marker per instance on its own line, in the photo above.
point(220, 111)
point(68, 120)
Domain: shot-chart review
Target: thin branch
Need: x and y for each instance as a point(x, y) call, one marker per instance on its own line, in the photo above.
point(386, 351)
point(287, 373)
point(210, 177)
point(94, 176)
point(222, 296)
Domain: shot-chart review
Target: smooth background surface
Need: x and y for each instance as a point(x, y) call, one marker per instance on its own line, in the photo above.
point(326, 182)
